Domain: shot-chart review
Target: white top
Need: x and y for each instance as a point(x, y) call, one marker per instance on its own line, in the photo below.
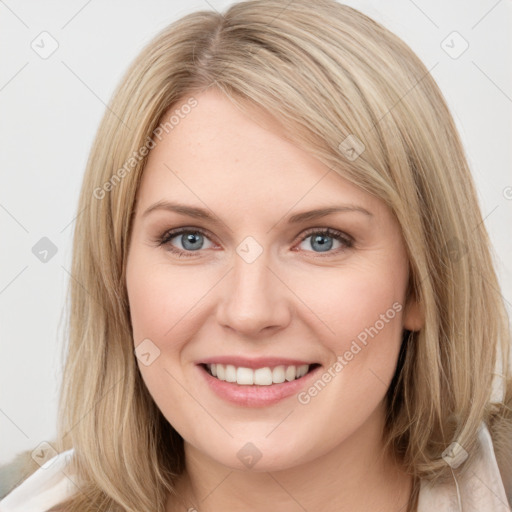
point(482, 490)
point(43, 489)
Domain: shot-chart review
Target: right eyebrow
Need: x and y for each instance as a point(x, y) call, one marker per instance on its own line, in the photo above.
point(191, 211)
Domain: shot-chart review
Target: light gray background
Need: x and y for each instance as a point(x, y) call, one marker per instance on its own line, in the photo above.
point(50, 112)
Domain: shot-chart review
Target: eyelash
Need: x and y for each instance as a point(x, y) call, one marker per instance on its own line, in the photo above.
point(167, 236)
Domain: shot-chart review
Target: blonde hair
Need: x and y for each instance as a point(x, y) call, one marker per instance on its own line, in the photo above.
point(326, 72)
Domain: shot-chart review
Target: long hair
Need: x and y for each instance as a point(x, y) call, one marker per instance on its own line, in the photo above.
point(333, 78)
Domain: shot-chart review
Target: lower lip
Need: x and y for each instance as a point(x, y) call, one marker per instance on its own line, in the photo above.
point(256, 396)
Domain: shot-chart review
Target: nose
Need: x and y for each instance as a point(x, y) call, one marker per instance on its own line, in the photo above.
point(254, 299)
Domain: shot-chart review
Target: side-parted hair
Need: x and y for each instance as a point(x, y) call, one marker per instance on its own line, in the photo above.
point(326, 72)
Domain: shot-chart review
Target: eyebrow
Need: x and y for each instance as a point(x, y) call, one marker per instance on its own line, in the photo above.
point(201, 213)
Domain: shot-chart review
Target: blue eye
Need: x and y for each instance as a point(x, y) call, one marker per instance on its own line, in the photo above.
point(322, 239)
point(193, 240)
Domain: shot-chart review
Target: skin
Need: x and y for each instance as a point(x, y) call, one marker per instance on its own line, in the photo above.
point(293, 301)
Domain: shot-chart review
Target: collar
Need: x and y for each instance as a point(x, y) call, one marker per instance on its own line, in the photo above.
point(480, 489)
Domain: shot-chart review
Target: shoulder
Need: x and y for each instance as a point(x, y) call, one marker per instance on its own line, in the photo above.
point(44, 488)
point(483, 486)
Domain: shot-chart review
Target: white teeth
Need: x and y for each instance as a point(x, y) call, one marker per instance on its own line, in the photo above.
point(263, 377)
point(278, 374)
point(290, 373)
point(244, 376)
point(260, 377)
point(302, 370)
point(230, 373)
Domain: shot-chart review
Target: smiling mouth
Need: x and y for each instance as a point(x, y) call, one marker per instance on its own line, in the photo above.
point(265, 376)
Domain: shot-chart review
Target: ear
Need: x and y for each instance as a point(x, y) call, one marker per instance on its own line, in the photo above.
point(414, 315)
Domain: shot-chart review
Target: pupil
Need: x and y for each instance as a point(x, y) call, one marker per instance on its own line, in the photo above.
point(321, 239)
point(191, 239)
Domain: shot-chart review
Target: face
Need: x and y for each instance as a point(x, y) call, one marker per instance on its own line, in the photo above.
point(262, 331)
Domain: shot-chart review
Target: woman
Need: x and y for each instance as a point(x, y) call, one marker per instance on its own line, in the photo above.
point(283, 293)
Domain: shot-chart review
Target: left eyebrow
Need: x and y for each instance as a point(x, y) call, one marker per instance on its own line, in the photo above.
point(322, 212)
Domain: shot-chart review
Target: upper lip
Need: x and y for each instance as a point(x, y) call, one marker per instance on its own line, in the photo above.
point(259, 362)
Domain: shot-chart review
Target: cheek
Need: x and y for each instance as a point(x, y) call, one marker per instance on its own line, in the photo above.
point(353, 301)
point(162, 300)
point(361, 311)
point(161, 307)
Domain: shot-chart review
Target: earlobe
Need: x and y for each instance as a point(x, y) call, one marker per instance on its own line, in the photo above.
point(414, 316)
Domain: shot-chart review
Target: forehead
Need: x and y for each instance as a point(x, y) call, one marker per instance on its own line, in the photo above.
point(231, 159)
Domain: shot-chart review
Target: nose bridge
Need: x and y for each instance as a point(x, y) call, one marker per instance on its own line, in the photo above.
point(253, 298)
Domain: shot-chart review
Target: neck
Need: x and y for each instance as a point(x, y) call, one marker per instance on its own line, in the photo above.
point(356, 476)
